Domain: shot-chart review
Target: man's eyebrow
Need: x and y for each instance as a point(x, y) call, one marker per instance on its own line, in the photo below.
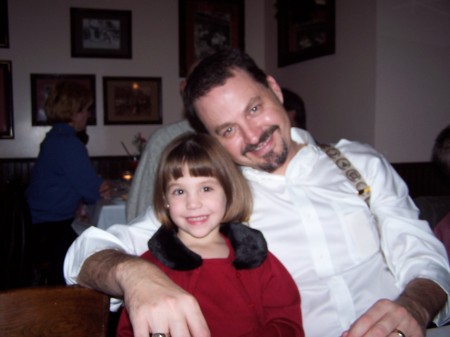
point(249, 105)
point(253, 102)
point(219, 128)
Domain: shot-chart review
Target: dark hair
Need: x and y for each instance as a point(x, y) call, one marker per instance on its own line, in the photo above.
point(205, 157)
point(441, 152)
point(212, 72)
point(292, 101)
point(65, 99)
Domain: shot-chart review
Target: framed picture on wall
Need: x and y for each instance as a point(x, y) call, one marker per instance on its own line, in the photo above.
point(6, 101)
point(41, 84)
point(206, 26)
point(4, 29)
point(100, 33)
point(132, 100)
point(306, 30)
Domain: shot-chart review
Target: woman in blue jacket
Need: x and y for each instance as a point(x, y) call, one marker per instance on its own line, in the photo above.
point(62, 178)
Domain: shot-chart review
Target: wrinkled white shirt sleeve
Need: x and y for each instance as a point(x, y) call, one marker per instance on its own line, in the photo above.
point(131, 239)
point(408, 243)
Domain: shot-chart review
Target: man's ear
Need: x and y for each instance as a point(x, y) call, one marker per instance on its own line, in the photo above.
point(275, 88)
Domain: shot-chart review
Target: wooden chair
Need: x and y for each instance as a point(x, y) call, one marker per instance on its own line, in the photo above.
point(15, 259)
point(66, 311)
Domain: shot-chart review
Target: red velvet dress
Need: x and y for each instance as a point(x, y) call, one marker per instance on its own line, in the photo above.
point(260, 301)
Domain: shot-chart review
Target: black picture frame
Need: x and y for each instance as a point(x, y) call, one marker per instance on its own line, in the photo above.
point(6, 101)
point(100, 33)
point(306, 30)
point(4, 24)
point(132, 100)
point(206, 26)
point(41, 84)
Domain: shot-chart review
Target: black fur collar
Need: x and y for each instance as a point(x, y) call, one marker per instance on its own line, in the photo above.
point(250, 248)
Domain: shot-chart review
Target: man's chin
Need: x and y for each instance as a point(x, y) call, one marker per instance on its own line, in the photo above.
point(264, 165)
point(269, 163)
point(269, 167)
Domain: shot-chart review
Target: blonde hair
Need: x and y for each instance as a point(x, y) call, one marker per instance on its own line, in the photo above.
point(66, 98)
point(205, 157)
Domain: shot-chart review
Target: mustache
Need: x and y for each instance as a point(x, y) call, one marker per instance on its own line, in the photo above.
point(264, 137)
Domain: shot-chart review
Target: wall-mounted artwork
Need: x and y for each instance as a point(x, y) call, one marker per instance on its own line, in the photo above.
point(6, 101)
point(4, 29)
point(41, 84)
point(206, 26)
point(100, 33)
point(132, 100)
point(306, 30)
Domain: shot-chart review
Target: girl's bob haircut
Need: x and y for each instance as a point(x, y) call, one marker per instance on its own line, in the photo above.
point(204, 157)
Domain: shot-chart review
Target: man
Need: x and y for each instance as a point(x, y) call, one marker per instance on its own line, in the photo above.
point(441, 152)
point(360, 271)
point(441, 157)
point(295, 108)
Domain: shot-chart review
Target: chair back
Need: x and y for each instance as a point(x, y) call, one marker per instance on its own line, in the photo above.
point(69, 311)
point(15, 260)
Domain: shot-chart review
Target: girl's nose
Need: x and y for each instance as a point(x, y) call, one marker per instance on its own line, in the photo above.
point(193, 201)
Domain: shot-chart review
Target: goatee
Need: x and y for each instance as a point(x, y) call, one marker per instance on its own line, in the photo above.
point(272, 160)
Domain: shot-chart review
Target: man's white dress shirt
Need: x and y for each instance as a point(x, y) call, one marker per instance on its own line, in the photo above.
point(342, 255)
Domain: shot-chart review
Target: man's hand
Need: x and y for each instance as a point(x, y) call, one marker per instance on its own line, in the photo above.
point(153, 301)
point(382, 319)
point(410, 313)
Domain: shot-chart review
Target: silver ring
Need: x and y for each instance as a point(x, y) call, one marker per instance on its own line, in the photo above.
point(159, 334)
point(399, 333)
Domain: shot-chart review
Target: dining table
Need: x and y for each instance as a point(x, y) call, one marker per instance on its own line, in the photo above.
point(110, 212)
point(105, 212)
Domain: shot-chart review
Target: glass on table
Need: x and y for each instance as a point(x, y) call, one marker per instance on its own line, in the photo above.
point(121, 186)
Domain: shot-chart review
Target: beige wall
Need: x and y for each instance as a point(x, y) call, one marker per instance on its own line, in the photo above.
point(412, 78)
point(387, 84)
point(40, 43)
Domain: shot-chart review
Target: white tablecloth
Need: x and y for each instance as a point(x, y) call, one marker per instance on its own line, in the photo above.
point(111, 214)
point(102, 214)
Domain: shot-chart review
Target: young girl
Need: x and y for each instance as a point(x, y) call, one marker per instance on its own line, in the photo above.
point(202, 201)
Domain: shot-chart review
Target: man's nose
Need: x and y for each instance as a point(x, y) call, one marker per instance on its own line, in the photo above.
point(251, 132)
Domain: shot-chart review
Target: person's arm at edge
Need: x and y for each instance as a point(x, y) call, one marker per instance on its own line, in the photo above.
point(153, 301)
point(410, 312)
point(429, 285)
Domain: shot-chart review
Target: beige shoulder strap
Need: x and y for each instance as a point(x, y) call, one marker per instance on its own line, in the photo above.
point(350, 172)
